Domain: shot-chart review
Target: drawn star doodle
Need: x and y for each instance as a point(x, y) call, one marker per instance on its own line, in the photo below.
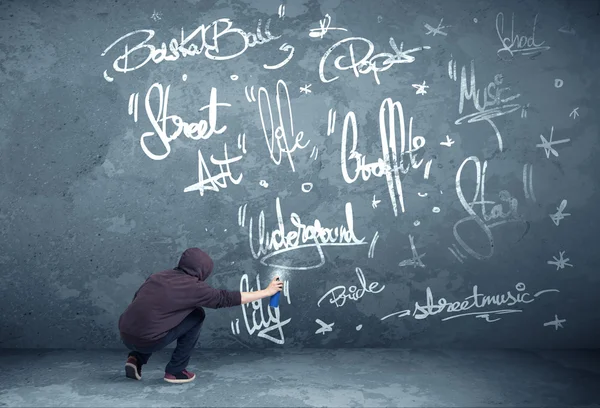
point(324, 27)
point(374, 202)
point(156, 16)
point(324, 327)
point(560, 262)
point(437, 30)
point(305, 89)
point(547, 144)
point(449, 142)
point(420, 88)
point(556, 323)
point(416, 258)
point(559, 214)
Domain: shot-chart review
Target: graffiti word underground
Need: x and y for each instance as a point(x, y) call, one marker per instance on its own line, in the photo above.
point(279, 241)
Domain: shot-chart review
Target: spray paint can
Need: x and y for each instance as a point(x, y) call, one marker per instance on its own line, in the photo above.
point(274, 301)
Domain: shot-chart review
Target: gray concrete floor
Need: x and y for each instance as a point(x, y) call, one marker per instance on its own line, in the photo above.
point(309, 377)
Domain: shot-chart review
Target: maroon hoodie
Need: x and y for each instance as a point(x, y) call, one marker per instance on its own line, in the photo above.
point(167, 297)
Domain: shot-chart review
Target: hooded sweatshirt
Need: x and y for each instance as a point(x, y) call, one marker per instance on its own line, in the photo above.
point(167, 297)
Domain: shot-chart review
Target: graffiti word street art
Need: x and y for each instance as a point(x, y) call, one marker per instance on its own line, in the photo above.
point(483, 306)
point(265, 244)
point(500, 213)
point(341, 293)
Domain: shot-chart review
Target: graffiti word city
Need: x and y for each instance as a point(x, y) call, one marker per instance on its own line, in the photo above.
point(258, 322)
point(303, 236)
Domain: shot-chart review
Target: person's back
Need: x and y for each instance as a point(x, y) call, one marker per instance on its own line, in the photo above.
point(169, 306)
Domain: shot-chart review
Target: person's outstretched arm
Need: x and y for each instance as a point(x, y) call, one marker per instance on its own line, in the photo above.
point(275, 286)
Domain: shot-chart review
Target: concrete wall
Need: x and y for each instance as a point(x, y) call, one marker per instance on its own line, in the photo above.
point(464, 202)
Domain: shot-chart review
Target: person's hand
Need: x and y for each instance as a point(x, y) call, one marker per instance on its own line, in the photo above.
point(275, 286)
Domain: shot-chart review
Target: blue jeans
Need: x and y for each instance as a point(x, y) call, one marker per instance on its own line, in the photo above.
point(186, 333)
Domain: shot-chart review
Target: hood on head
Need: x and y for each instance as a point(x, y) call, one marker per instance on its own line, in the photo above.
point(196, 262)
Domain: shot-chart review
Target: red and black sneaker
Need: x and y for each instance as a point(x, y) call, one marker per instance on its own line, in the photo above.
point(180, 378)
point(133, 369)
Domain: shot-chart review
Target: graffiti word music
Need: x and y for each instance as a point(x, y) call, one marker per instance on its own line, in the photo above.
point(489, 102)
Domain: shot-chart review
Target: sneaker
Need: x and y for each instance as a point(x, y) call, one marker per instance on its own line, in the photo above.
point(179, 378)
point(133, 369)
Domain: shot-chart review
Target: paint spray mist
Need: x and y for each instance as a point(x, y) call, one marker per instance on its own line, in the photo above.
point(274, 301)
